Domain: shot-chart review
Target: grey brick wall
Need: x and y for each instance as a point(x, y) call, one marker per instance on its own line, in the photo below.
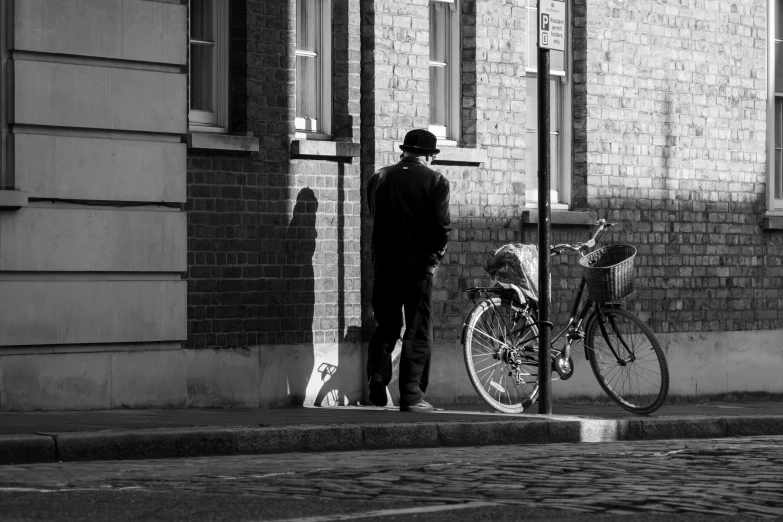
point(670, 102)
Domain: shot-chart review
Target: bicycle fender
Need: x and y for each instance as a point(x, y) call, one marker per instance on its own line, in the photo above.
point(476, 307)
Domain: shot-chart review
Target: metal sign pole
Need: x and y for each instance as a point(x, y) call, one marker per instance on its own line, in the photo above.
point(544, 365)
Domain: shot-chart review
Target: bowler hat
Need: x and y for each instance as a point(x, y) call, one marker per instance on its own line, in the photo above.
point(421, 141)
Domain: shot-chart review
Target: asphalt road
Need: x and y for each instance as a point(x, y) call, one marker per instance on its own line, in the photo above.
point(661, 481)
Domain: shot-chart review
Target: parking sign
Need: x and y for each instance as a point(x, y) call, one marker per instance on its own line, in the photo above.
point(551, 25)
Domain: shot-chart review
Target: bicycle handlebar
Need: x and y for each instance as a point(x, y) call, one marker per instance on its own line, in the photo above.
point(578, 247)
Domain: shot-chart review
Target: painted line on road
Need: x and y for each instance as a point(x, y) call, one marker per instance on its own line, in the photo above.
point(389, 512)
point(65, 490)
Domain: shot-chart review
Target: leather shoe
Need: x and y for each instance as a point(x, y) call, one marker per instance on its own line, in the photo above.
point(421, 407)
point(378, 390)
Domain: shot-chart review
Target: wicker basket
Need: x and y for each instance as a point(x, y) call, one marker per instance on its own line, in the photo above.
point(609, 272)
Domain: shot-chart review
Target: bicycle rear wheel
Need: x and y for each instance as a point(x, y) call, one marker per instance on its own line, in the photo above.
point(501, 353)
point(635, 375)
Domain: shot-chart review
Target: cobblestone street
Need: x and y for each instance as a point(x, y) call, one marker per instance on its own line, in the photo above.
point(733, 477)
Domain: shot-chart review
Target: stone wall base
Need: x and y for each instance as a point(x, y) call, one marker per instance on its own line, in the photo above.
point(701, 365)
point(259, 376)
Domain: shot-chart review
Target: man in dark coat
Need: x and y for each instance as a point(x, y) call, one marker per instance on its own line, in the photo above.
point(409, 203)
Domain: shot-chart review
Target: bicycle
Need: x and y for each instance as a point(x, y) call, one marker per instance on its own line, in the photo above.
point(500, 344)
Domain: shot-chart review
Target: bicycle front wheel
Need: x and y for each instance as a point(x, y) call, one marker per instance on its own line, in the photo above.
point(501, 353)
point(628, 361)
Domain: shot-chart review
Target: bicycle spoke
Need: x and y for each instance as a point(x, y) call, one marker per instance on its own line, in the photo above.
point(489, 336)
point(498, 355)
point(488, 367)
point(639, 380)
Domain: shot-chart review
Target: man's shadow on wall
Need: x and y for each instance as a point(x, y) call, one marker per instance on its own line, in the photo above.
point(298, 291)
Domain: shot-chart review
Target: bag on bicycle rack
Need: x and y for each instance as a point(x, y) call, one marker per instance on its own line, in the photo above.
point(514, 263)
point(608, 272)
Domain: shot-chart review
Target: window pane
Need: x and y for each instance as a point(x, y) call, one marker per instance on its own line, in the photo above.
point(438, 96)
point(308, 65)
point(438, 31)
point(201, 18)
point(202, 78)
point(779, 19)
point(306, 82)
point(532, 103)
point(778, 174)
point(554, 162)
point(778, 66)
point(442, 60)
point(307, 27)
point(532, 39)
point(778, 148)
point(531, 162)
point(556, 61)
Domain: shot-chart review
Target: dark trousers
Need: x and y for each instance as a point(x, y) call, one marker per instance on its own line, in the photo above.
point(393, 292)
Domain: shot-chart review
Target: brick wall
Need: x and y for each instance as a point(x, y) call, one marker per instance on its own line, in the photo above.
point(485, 200)
point(394, 97)
point(273, 241)
point(670, 106)
point(669, 139)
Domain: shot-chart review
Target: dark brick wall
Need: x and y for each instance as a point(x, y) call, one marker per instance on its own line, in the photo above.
point(273, 241)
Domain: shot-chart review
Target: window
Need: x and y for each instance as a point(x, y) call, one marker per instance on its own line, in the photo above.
point(314, 68)
point(775, 109)
point(6, 172)
point(208, 66)
point(559, 117)
point(445, 54)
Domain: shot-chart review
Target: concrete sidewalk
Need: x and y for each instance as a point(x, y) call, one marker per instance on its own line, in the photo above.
point(32, 437)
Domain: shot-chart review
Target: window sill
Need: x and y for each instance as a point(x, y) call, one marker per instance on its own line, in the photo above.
point(325, 150)
point(772, 222)
point(12, 199)
point(460, 156)
point(562, 217)
point(227, 142)
point(453, 155)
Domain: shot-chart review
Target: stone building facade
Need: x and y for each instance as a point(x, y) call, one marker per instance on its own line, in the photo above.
point(194, 243)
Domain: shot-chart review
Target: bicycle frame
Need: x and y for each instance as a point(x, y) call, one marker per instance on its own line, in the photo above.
point(573, 330)
point(503, 325)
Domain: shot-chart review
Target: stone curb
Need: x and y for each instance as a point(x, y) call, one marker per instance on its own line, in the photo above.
point(211, 441)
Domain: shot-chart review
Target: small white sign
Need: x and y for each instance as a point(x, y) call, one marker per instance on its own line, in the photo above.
point(551, 25)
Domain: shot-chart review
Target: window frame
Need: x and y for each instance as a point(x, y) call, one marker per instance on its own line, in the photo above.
point(774, 204)
point(560, 198)
point(452, 131)
point(324, 75)
point(217, 121)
